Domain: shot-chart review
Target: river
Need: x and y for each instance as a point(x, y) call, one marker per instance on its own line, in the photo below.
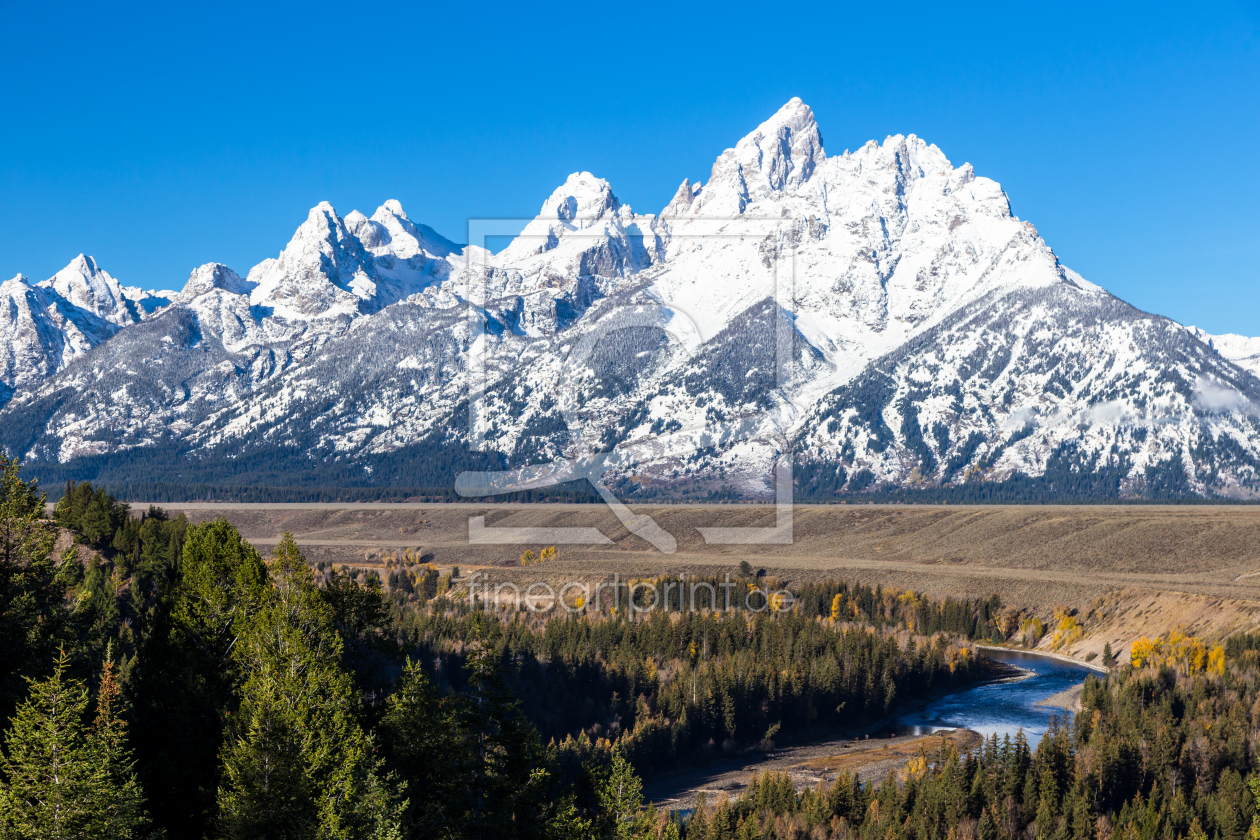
point(997, 708)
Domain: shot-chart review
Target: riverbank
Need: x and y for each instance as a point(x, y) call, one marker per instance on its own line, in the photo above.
point(1069, 699)
point(859, 751)
point(1010, 698)
point(808, 765)
point(1048, 655)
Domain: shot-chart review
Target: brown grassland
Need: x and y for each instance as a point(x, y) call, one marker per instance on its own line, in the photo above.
point(1127, 570)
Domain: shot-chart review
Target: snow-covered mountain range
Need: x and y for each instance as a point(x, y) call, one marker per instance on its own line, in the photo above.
point(879, 318)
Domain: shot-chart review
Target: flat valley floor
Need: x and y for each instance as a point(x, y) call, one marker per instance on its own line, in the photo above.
point(1128, 571)
point(1140, 566)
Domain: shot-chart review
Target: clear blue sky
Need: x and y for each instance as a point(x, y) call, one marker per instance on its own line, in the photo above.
point(160, 137)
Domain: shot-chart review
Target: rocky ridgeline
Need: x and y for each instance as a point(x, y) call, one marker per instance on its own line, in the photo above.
point(879, 317)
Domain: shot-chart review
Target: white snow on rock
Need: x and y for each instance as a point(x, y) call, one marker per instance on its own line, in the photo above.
point(335, 268)
point(91, 288)
point(40, 333)
point(323, 272)
point(1239, 349)
point(212, 276)
point(779, 156)
point(583, 245)
point(881, 313)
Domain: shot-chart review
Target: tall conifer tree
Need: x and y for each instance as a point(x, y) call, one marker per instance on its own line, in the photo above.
point(33, 616)
point(421, 744)
point(296, 762)
point(621, 798)
point(63, 779)
point(123, 805)
point(183, 688)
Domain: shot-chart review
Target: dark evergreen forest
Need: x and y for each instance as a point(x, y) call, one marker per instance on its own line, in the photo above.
point(165, 679)
point(159, 679)
point(1154, 753)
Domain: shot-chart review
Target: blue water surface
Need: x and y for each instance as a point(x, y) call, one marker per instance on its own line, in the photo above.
point(999, 708)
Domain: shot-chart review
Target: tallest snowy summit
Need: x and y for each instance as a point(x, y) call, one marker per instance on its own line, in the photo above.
point(779, 155)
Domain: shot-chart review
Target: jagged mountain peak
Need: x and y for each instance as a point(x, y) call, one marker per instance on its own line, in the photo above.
point(778, 156)
point(912, 154)
point(83, 264)
point(206, 278)
point(40, 333)
point(936, 341)
point(323, 271)
point(323, 229)
point(681, 203)
point(392, 206)
point(20, 288)
point(323, 209)
point(336, 267)
point(907, 160)
point(581, 246)
point(370, 232)
point(391, 231)
point(581, 198)
point(582, 203)
point(92, 289)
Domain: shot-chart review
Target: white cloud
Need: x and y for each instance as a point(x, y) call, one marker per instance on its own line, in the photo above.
point(1107, 413)
point(1021, 418)
point(1211, 395)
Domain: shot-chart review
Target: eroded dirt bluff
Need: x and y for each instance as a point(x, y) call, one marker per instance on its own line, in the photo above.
point(1158, 566)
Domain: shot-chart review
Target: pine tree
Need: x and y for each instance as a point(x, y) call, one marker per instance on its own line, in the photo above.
point(123, 808)
point(621, 798)
point(987, 829)
point(33, 616)
point(296, 763)
point(421, 744)
point(222, 579)
point(507, 790)
point(46, 782)
point(95, 523)
point(183, 688)
point(62, 779)
point(22, 536)
point(1253, 784)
